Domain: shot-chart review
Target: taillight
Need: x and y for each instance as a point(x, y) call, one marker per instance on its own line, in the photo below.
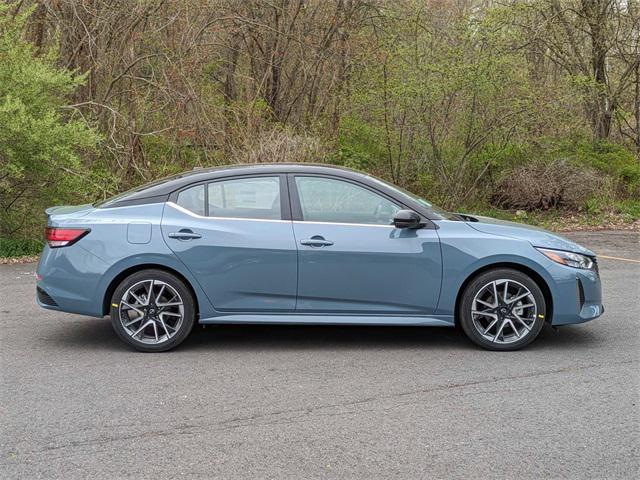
point(63, 237)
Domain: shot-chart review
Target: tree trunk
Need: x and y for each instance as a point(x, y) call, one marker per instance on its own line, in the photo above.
point(602, 108)
point(637, 110)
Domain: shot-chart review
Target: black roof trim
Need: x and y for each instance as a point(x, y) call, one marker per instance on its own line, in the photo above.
point(160, 191)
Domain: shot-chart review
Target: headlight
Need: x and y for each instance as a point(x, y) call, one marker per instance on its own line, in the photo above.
point(570, 259)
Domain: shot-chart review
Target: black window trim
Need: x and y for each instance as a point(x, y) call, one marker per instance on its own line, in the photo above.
point(161, 191)
point(285, 204)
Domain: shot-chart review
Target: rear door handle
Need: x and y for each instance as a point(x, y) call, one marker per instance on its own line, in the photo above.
point(316, 241)
point(185, 234)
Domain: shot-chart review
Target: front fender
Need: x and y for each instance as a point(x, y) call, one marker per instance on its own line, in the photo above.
point(464, 254)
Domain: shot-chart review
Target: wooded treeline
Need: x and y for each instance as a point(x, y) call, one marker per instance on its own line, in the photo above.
point(514, 104)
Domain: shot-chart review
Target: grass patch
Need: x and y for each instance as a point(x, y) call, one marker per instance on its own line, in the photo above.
point(19, 247)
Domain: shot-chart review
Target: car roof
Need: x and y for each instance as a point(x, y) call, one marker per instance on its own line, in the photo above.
point(161, 190)
point(282, 167)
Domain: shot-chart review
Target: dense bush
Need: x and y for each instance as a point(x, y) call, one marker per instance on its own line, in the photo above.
point(18, 247)
point(541, 186)
point(609, 159)
point(563, 175)
point(278, 144)
point(39, 146)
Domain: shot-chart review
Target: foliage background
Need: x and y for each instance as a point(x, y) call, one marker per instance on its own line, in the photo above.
point(479, 105)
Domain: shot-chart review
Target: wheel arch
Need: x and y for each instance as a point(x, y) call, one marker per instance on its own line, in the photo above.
point(106, 301)
point(536, 277)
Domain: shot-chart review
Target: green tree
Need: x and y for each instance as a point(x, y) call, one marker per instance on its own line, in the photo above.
point(39, 144)
point(439, 90)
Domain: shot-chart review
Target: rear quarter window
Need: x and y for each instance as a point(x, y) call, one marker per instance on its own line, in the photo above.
point(192, 199)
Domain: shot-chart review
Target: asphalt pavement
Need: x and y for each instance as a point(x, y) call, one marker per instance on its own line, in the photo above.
point(322, 402)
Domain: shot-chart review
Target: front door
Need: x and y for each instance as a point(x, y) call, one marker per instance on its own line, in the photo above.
point(233, 236)
point(352, 260)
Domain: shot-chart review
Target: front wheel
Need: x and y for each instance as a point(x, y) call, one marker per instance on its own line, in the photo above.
point(502, 309)
point(152, 310)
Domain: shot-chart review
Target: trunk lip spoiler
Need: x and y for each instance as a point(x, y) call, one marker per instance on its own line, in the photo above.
point(68, 209)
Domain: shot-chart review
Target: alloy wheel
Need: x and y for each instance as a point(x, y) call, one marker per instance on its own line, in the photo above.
point(504, 311)
point(151, 311)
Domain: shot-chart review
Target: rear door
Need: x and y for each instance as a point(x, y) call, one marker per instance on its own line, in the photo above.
point(235, 236)
point(351, 259)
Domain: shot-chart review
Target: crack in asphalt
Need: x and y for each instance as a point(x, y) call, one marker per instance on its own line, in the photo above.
point(294, 415)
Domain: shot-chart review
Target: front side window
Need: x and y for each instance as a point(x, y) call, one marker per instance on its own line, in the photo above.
point(257, 198)
point(337, 201)
point(192, 199)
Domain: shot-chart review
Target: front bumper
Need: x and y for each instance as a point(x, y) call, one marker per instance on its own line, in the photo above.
point(577, 296)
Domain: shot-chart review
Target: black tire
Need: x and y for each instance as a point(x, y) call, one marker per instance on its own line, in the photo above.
point(178, 335)
point(465, 316)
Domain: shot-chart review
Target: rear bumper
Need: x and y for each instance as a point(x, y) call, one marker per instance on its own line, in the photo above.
point(68, 280)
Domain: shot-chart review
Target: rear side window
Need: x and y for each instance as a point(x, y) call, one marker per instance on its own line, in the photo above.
point(192, 199)
point(257, 198)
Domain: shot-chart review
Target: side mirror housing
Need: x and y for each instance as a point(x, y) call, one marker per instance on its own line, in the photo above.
point(407, 219)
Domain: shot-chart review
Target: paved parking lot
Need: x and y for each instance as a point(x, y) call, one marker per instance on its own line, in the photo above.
point(332, 402)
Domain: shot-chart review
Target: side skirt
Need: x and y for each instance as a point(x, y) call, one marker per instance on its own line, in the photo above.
point(315, 319)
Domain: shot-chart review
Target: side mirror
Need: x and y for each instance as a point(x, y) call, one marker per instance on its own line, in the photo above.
point(407, 219)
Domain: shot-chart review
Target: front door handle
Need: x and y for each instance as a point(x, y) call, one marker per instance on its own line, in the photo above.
point(316, 241)
point(185, 234)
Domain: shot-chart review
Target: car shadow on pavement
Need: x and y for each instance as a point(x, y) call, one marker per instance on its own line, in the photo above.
point(87, 333)
point(311, 337)
point(252, 337)
point(91, 334)
point(569, 336)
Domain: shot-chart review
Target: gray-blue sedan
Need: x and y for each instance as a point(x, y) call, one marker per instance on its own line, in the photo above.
point(304, 243)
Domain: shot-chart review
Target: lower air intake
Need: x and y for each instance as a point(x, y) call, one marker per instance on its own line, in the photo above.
point(581, 299)
point(44, 298)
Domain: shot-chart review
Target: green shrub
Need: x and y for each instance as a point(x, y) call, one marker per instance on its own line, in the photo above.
point(360, 145)
point(18, 247)
point(629, 207)
point(605, 157)
point(40, 142)
point(503, 158)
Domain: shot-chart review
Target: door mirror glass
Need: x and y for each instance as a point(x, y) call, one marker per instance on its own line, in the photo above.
point(407, 219)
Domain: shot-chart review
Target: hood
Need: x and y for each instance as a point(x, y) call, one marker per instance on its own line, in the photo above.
point(538, 237)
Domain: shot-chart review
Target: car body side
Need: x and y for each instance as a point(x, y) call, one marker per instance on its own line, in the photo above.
point(129, 237)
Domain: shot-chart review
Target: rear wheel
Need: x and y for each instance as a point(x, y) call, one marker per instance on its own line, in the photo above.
point(152, 310)
point(502, 309)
